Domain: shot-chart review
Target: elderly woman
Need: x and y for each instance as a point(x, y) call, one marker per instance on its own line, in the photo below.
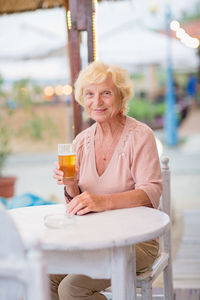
point(117, 167)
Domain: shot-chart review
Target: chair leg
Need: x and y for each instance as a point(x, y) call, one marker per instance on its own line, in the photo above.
point(146, 290)
point(168, 283)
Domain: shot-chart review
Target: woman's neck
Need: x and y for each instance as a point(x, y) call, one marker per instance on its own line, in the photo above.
point(109, 128)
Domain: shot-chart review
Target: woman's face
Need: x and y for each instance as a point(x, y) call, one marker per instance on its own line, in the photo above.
point(102, 101)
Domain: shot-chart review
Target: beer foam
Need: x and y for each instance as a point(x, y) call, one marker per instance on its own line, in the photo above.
point(66, 153)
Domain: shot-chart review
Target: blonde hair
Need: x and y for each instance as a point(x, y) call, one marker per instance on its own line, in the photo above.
point(97, 72)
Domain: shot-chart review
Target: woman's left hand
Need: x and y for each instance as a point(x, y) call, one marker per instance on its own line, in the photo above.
point(87, 202)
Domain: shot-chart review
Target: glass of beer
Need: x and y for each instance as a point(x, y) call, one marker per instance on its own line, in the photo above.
point(67, 159)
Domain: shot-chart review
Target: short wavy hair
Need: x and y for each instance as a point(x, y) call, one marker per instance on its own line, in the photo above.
point(97, 72)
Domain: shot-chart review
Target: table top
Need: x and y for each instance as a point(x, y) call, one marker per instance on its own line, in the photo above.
point(92, 231)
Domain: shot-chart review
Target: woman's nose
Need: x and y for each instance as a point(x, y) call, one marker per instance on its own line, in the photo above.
point(98, 99)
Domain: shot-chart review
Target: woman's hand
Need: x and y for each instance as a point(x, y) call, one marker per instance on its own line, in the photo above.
point(58, 175)
point(87, 202)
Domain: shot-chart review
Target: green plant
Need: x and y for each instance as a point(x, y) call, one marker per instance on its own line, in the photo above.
point(35, 126)
point(1, 87)
point(145, 110)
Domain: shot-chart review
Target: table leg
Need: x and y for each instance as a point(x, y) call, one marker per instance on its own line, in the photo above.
point(123, 278)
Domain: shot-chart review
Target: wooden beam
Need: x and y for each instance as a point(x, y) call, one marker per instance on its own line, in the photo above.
point(75, 65)
point(74, 61)
point(81, 19)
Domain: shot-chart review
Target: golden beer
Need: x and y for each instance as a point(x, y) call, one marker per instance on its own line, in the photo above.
point(67, 164)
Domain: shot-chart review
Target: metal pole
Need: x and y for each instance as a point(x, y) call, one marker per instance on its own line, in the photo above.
point(170, 114)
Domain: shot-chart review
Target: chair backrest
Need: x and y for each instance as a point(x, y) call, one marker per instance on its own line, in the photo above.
point(165, 203)
point(166, 193)
point(22, 271)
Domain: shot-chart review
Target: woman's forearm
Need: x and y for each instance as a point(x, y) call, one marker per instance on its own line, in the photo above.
point(128, 199)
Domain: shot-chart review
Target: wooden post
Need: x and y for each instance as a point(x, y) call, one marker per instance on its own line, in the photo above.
point(79, 18)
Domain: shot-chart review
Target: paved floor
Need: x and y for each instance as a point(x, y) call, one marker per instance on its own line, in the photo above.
point(186, 266)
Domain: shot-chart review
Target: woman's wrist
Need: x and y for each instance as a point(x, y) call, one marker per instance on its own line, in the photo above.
point(71, 191)
point(69, 198)
point(106, 200)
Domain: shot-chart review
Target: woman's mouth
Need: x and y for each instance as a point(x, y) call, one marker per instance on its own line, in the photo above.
point(99, 110)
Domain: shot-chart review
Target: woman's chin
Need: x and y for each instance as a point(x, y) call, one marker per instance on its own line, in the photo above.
point(99, 118)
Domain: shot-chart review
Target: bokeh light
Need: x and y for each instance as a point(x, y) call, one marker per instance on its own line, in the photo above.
point(67, 89)
point(174, 25)
point(48, 91)
point(59, 90)
point(180, 33)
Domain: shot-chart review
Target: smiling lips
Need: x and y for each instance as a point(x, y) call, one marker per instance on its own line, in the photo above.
point(99, 110)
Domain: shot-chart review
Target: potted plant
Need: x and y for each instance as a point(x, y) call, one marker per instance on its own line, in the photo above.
point(6, 182)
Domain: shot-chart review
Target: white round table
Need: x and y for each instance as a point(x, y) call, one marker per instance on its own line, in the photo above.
point(100, 245)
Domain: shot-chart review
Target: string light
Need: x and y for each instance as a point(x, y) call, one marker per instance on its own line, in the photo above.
point(180, 33)
point(184, 37)
point(67, 89)
point(174, 25)
point(69, 20)
point(59, 90)
point(48, 91)
point(190, 42)
point(94, 5)
point(196, 43)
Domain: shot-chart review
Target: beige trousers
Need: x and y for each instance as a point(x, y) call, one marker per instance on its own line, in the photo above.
point(75, 287)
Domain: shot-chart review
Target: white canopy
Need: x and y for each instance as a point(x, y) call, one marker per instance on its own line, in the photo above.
point(32, 34)
point(46, 70)
point(28, 39)
point(133, 45)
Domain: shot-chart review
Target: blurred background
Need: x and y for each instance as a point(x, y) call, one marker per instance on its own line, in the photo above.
point(156, 40)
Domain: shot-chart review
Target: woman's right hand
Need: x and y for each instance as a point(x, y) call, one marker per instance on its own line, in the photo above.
point(58, 175)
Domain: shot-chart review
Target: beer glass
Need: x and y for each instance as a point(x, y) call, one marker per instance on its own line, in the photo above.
point(67, 159)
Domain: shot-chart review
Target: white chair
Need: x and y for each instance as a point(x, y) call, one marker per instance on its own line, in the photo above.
point(22, 272)
point(164, 262)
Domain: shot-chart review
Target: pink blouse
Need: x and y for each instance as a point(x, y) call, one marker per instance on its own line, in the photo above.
point(134, 164)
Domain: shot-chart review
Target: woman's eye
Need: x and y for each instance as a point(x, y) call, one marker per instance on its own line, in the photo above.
point(106, 93)
point(89, 94)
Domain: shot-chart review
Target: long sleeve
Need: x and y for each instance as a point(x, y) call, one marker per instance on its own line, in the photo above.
point(146, 165)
